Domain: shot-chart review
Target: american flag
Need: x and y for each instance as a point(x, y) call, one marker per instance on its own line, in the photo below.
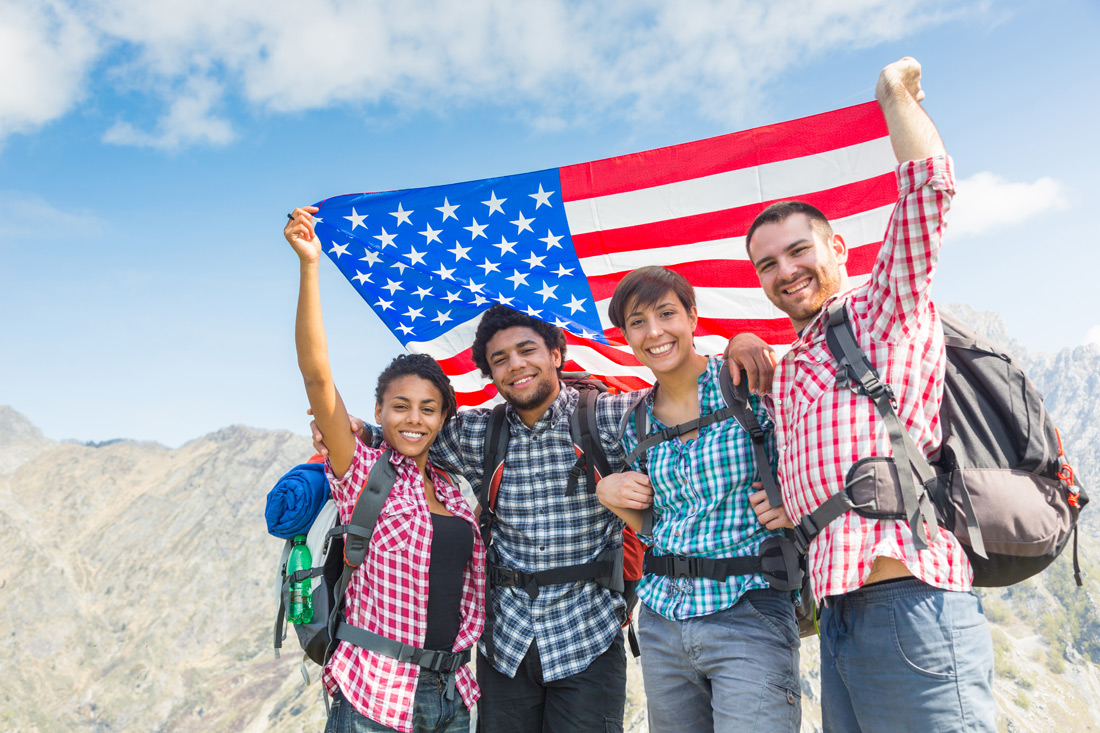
point(555, 243)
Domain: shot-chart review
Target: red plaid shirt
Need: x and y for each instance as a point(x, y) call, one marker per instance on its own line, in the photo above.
point(822, 430)
point(388, 593)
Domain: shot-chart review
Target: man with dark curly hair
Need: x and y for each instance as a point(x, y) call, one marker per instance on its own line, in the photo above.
point(558, 662)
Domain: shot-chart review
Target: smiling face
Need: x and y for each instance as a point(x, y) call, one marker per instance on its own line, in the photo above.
point(410, 414)
point(661, 334)
point(798, 269)
point(524, 370)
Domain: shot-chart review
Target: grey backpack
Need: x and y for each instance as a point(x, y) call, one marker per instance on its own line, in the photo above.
point(1001, 485)
point(337, 550)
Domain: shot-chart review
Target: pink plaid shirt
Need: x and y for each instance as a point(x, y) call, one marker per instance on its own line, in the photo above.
point(388, 593)
point(822, 430)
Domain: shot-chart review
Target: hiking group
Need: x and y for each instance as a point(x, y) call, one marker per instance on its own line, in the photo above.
point(566, 476)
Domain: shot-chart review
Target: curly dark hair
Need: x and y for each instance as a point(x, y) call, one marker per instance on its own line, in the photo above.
point(425, 367)
point(500, 317)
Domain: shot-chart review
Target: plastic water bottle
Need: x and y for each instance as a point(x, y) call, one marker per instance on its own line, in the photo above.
point(301, 595)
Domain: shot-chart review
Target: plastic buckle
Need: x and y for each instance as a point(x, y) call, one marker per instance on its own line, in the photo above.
point(804, 532)
point(681, 566)
point(432, 660)
point(507, 576)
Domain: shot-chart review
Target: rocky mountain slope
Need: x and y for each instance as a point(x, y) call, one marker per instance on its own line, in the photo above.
point(139, 585)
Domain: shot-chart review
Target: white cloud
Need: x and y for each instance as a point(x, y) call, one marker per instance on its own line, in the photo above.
point(554, 60)
point(189, 120)
point(1092, 336)
point(46, 51)
point(985, 202)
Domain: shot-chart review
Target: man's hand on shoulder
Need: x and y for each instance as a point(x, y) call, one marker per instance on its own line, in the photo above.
point(318, 439)
point(750, 352)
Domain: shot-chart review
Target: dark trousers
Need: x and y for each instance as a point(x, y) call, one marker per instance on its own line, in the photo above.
point(591, 701)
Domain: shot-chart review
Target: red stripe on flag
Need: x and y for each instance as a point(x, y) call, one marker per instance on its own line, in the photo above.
point(835, 203)
point(460, 363)
point(775, 331)
point(759, 146)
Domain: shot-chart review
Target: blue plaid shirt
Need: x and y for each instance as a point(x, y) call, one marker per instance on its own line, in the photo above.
point(537, 527)
point(701, 503)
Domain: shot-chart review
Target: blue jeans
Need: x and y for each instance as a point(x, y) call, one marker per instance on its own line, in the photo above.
point(432, 711)
point(733, 670)
point(906, 656)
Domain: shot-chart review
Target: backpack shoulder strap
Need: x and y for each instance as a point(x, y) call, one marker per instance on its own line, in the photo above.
point(856, 372)
point(497, 435)
point(591, 458)
point(737, 400)
point(368, 507)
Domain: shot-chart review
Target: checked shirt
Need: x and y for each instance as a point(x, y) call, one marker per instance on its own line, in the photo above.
point(537, 527)
point(701, 503)
point(388, 593)
point(822, 429)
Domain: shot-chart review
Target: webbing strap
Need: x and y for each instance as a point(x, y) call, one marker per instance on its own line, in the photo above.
point(497, 435)
point(852, 365)
point(810, 525)
point(714, 568)
point(281, 594)
point(368, 507)
point(531, 582)
point(737, 398)
point(433, 659)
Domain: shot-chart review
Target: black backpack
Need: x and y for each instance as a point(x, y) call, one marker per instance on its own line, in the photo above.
point(1001, 485)
point(780, 561)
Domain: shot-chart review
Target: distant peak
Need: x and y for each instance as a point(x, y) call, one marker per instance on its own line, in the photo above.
point(16, 428)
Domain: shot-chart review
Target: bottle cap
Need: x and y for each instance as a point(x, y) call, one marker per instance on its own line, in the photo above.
point(299, 538)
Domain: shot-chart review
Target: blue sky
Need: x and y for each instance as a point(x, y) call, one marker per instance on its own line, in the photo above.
point(149, 152)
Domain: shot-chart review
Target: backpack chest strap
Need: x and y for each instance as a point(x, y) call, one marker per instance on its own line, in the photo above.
point(531, 582)
point(433, 659)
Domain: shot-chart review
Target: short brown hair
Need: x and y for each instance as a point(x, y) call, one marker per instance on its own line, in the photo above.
point(780, 211)
point(644, 287)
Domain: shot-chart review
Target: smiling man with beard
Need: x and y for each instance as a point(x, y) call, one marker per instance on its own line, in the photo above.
point(904, 643)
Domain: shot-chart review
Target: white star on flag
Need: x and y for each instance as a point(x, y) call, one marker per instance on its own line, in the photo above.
point(542, 197)
point(494, 203)
point(522, 223)
point(402, 215)
point(385, 238)
point(355, 219)
point(448, 210)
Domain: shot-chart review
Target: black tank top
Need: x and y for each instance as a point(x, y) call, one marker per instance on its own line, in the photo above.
point(452, 543)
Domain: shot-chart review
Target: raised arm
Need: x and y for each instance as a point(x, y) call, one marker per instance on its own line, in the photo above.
point(309, 337)
point(899, 93)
